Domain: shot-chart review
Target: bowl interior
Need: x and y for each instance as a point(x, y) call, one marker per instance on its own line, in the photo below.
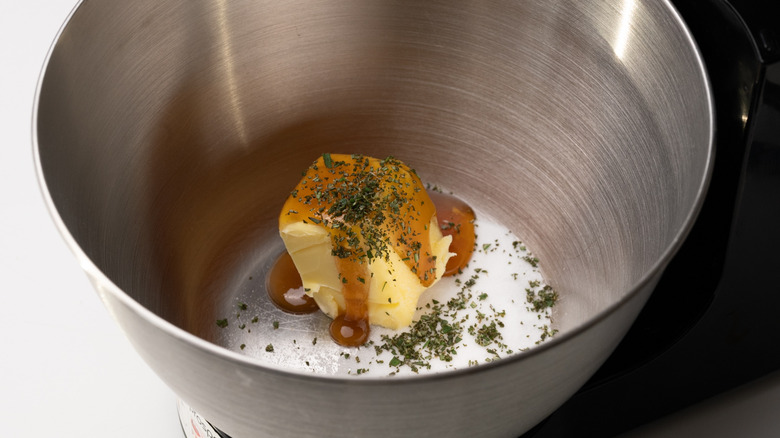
point(170, 133)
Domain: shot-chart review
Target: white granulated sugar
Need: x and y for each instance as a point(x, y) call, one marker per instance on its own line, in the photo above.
point(489, 308)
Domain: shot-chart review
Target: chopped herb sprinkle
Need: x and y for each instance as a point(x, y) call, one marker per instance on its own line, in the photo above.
point(445, 327)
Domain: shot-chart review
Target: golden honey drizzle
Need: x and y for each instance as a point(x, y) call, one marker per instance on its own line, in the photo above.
point(285, 287)
point(352, 328)
point(456, 219)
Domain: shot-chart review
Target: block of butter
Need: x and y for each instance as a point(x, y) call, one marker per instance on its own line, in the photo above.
point(363, 232)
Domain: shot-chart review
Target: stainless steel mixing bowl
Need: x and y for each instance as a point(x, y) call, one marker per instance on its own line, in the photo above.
point(169, 132)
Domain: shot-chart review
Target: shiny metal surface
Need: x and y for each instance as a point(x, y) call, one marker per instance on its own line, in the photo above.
point(168, 134)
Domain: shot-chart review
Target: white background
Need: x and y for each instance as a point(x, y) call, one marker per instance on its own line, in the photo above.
point(66, 370)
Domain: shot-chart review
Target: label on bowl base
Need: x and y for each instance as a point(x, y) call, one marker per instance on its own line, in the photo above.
point(193, 425)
